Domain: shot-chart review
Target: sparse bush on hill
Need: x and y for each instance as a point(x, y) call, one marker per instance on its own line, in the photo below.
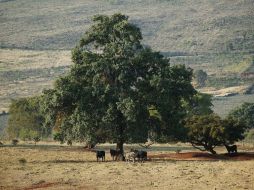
point(200, 78)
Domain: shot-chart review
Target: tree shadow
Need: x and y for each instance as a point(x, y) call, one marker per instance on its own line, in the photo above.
point(76, 161)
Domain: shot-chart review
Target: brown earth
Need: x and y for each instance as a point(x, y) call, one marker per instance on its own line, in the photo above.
point(202, 156)
point(60, 167)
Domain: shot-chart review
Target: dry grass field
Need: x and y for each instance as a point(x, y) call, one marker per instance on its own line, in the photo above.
point(27, 167)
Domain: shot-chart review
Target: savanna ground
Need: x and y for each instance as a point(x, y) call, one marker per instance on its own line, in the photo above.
point(25, 167)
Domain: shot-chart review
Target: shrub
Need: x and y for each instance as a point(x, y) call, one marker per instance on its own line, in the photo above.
point(36, 139)
point(22, 161)
point(15, 142)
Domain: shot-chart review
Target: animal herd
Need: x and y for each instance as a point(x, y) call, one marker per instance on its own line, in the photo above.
point(139, 155)
point(133, 155)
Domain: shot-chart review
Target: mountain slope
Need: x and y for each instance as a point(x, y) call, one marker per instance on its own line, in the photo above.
point(167, 25)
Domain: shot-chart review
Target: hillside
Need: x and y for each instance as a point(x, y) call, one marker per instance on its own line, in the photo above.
point(168, 25)
point(214, 35)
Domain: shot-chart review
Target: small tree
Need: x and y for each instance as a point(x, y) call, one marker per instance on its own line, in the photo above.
point(206, 131)
point(15, 141)
point(209, 131)
point(36, 139)
point(69, 142)
point(200, 77)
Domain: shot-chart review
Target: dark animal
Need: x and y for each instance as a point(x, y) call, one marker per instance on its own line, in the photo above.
point(115, 154)
point(231, 149)
point(100, 154)
point(140, 154)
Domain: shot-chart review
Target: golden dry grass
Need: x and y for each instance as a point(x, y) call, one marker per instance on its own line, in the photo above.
point(55, 167)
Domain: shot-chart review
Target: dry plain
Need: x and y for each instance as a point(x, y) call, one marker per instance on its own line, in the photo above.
point(26, 167)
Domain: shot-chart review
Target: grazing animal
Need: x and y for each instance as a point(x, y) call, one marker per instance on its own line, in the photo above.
point(100, 154)
point(130, 156)
point(231, 149)
point(140, 154)
point(115, 154)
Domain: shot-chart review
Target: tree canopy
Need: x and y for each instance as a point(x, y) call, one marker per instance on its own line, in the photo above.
point(113, 85)
point(209, 131)
point(200, 104)
point(244, 113)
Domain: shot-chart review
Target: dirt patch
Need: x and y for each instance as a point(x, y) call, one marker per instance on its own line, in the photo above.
point(201, 156)
point(41, 185)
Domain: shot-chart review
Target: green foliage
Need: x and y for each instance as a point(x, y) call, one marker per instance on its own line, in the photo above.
point(244, 114)
point(249, 135)
point(200, 78)
point(234, 130)
point(206, 131)
point(59, 137)
point(25, 119)
point(112, 85)
point(210, 131)
point(27, 134)
point(36, 139)
point(200, 104)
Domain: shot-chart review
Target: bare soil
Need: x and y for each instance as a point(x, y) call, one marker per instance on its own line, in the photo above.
point(203, 156)
point(62, 167)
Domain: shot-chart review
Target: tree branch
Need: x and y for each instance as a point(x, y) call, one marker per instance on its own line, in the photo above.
point(146, 145)
point(197, 147)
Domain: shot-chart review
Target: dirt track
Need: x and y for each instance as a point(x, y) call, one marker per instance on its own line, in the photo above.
point(73, 168)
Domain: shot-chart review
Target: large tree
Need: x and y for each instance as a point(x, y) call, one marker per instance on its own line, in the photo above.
point(114, 83)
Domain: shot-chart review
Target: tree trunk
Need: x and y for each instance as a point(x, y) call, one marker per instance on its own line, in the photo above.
point(120, 134)
point(119, 146)
point(210, 149)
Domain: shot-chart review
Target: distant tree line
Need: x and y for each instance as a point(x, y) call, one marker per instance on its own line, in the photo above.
point(26, 119)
